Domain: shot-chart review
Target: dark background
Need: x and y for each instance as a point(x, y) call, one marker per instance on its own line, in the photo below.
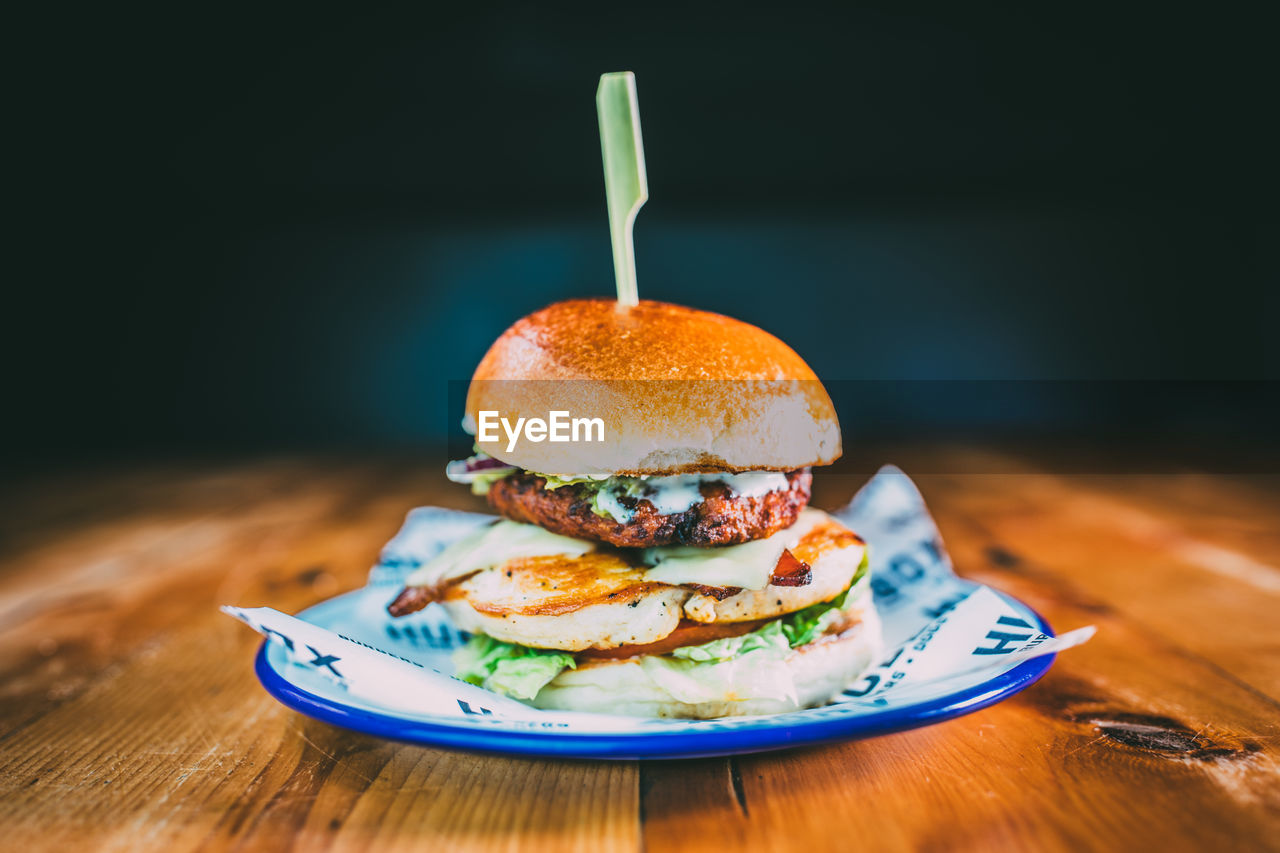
point(254, 231)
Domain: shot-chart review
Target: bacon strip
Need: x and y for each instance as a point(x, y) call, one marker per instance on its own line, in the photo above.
point(719, 593)
point(791, 572)
point(412, 599)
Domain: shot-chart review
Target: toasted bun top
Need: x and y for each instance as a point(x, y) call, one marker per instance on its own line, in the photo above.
point(600, 339)
point(678, 390)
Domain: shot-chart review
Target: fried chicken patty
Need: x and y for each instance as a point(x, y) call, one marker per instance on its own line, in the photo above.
point(721, 518)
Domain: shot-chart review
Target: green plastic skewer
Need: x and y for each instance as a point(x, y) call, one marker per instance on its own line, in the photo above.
point(625, 185)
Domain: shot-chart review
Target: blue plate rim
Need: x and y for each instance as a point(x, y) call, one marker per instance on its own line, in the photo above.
point(657, 744)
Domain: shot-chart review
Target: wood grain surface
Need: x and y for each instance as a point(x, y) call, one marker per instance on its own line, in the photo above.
point(130, 718)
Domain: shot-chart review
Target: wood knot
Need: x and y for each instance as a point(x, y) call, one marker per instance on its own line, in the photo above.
point(1002, 557)
point(1165, 736)
point(309, 576)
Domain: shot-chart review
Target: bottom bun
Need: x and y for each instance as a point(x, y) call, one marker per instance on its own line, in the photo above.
point(809, 676)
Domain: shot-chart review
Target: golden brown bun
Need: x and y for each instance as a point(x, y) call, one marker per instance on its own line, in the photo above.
point(679, 390)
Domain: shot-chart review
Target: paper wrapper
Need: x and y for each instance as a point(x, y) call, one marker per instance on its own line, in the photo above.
point(939, 627)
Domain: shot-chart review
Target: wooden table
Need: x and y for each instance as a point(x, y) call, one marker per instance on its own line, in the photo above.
point(130, 717)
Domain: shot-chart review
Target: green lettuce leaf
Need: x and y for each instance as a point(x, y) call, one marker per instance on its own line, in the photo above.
point(805, 626)
point(523, 677)
point(516, 671)
point(592, 490)
point(554, 482)
point(484, 480)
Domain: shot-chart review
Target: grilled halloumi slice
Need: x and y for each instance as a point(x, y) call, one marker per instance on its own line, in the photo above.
point(601, 599)
point(595, 600)
point(832, 554)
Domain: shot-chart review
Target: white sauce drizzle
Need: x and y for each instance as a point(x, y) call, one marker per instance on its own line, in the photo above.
point(677, 493)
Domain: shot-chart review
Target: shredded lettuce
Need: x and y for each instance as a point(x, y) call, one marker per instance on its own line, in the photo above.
point(604, 493)
point(516, 671)
point(592, 490)
point(554, 482)
point(483, 480)
point(479, 471)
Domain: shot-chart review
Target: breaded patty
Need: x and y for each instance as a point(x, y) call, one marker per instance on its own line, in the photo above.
point(722, 518)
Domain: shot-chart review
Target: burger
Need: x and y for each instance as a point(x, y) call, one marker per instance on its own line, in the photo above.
point(660, 558)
